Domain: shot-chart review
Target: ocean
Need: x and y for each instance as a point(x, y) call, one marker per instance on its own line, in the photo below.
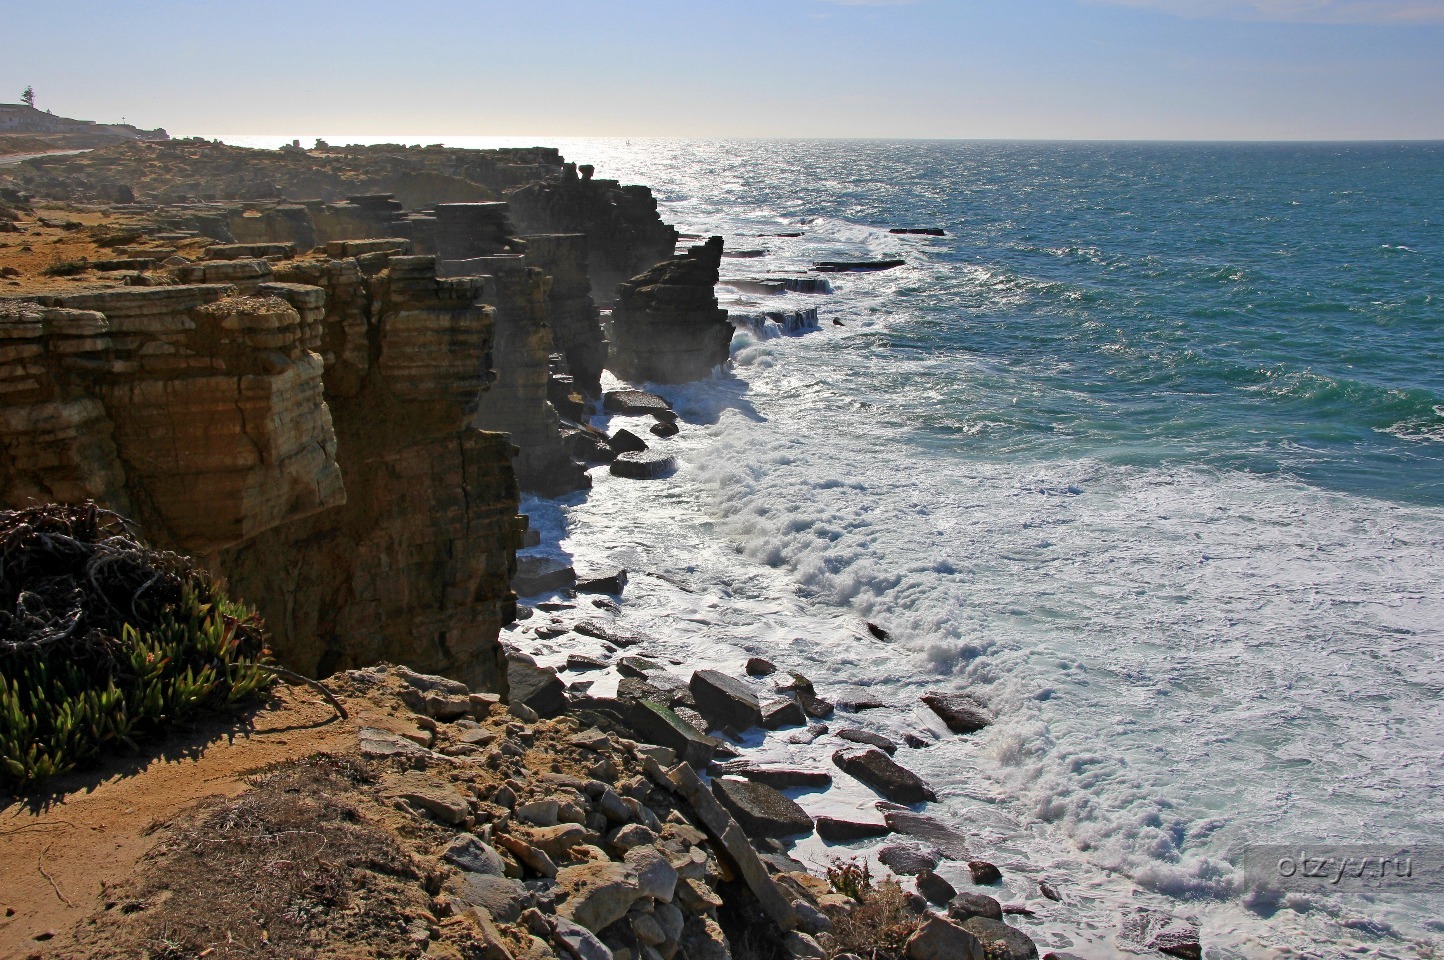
point(1147, 453)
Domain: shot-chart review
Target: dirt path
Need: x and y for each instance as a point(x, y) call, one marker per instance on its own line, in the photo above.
point(60, 853)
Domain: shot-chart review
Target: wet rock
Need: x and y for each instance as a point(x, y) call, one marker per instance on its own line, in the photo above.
point(938, 939)
point(780, 778)
point(916, 742)
point(580, 662)
point(883, 774)
point(1049, 891)
point(855, 266)
point(596, 631)
point(637, 403)
point(965, 906)
point(761, 810)
point(921, 231)
point(472, 855)
point(602, 603)
point(647, 465)
point(535, 686)
point(1000, 940)
point(536, 575)
point(984, 873)
point(725, 701)
point(878, 632)
point(664, 429)
point(834, 830)
point(961, 713)
point(813, 731)
point(637, 667)
point(935, 888)
point(603, 581)
point(908, 859)
point(759, 667)
point(856, 705)
point(782, 713)
point(936, 833)
point(871, 739)
point(587, 444)
point(1161, 932)
point(625, 441)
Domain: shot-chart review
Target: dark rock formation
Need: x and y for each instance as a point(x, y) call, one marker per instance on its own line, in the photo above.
point(576, 329)
point(666, 326)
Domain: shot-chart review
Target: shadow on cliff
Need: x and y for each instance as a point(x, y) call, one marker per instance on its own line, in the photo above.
point(182, 743)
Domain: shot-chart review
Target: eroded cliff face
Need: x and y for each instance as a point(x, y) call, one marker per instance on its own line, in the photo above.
point(666, 326)
point(226, 416)
point(624, 233)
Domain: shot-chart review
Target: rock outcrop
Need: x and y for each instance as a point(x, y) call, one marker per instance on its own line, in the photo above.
point(666, 326)
point(624, 233)
point(306, 428)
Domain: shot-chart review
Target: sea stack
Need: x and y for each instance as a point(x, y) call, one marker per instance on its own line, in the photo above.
point(666, 326)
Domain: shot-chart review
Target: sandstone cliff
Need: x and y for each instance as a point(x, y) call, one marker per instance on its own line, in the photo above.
point(666, 326)
point(344, 492)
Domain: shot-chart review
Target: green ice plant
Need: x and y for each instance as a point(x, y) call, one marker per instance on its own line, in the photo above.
point(57, 713)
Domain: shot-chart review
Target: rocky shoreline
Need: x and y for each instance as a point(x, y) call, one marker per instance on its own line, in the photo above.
point(337, 402)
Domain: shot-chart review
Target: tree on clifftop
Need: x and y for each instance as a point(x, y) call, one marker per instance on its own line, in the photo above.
point(28, 97)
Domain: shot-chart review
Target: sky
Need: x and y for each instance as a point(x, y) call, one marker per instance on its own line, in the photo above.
point(986, 69)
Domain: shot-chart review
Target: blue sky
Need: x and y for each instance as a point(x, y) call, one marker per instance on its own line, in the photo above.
point(1064, 69)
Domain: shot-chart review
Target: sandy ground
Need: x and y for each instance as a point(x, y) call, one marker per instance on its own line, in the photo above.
point(60, 852)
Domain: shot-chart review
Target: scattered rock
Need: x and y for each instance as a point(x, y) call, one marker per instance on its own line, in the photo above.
point(656, 877)
point(965, 906)
point(801, 946)
point(725, 701)
point(1161, 932)
point(936, 833)
point(882, 773)
point(376, 742)
point(580, 941)
point(984, 873)
point(758, 667)
point(834, 830)
point(664, 428)
point(935, 888)
point(813, 731)
point(961, 713)
point(535, 686)
point(760, 809)
point(580, 662)
point(872, 739)
point(598, 893)
point(625, 441)
point(472, 855)
point(659, 724)
point(780, 778)
point(1001, 941)
point(782, 713)
point(938, 939)
point(603, 581)
point(443, 803)
point(504, 899)
point(908, 859)
point(596, 631)
point(543, 813)
point(535, 574)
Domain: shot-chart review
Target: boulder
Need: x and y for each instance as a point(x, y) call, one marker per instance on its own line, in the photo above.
point(761, 810)
point(834, 830)
point(984, 873)
point(782, 713)
point(472, 855)
point(659, 724)
point(1001, 941)
point(656, 877)
point(504, 899)
point(625, 441)
point(935, 888)
point(724, 700)
point(603, 581)
point(758, 667)
point(535, 686)
point(598, 893)
point(646, 465)
point(939, 939)
point(908, 859)
point(965, 906)
point(961, 713)
point(883, 774)
point(536, 574)
point(871, 739)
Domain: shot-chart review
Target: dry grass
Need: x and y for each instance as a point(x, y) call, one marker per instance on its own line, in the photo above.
point(878, 927)
point(290, 869)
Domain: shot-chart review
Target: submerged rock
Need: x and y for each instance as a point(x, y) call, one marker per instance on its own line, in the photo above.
point(961, 713)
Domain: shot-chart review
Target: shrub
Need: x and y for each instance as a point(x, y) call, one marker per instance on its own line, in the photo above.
point(66, 268)
point(879, 926)
point(104, 640)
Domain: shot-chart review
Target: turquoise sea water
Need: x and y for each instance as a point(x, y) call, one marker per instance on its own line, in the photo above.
point(1147, 452)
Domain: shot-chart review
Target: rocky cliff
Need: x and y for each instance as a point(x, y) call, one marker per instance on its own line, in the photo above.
point(342, 491)
point(666, 326)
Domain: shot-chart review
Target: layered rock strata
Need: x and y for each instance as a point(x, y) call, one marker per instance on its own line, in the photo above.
point(206, 411)
point(666, 326)
point(624, 233)
point(576, 331)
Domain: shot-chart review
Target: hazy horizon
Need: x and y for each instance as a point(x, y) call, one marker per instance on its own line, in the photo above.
point(1050, 70)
